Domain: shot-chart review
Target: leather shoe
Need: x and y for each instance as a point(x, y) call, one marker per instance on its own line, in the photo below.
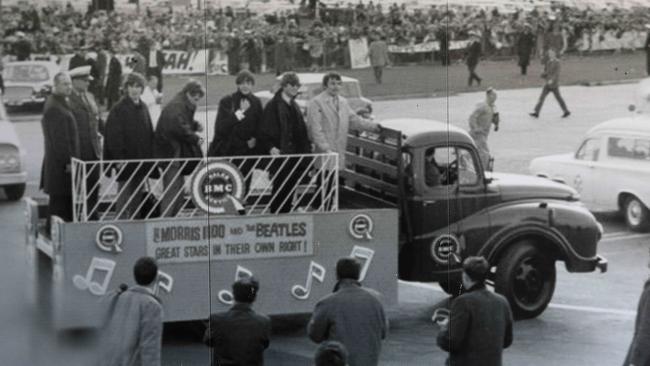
point(534, 114)
point(566, 114)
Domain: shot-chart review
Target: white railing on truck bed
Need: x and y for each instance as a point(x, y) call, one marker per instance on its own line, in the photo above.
point(143, 189)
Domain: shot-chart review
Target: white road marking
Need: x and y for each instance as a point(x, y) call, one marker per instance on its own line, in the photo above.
point(587, 309)
point(624, 236)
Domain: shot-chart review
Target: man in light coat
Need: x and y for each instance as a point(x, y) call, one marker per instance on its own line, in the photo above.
point(329, 116)
point(352, 315)
point(132, 335)
point(378, 55)
point(480, 122)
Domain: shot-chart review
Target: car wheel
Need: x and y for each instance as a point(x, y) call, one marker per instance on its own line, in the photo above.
point(15, 192)
point(526, 277)
point(636, 214)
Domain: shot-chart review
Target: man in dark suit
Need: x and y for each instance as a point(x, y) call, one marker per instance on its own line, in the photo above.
point(646, 47)
point(61, 139)
point(551, 76)
point(113, 79)
point(86, 113)
point(283, 131)
point(479, 326)
point(239, 336)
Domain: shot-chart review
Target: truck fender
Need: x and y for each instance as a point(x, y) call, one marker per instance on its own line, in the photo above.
point(498, 243)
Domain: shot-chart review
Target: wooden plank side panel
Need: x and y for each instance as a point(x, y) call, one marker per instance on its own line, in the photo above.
point(373, 165)
point(353, 178)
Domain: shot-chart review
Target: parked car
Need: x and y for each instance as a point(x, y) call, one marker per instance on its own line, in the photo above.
point(610, 169)
point(312, 85)
point(12, 159)
point(28, 83)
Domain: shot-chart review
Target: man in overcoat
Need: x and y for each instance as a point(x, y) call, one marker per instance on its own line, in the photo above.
point(378, 55)
point(472, 57)
point(132, 335)
point(283, 131)
point(176, 138)
point(525, 47)
point(61, 138)
point(352, 315)
point(479, 326)
point(86, 113)
point(130, 136)
point(239, 335)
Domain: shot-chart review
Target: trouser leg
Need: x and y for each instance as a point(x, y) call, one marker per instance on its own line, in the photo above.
point(558, 97)
point(542, 96)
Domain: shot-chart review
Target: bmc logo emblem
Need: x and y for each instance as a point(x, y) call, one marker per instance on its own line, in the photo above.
point(443, 247)
point(361, 227)
point(109, 238)
point(218, 188)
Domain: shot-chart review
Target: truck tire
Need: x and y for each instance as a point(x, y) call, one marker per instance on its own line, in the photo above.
point(15, 191)
point(526, 277)
point(636, 214)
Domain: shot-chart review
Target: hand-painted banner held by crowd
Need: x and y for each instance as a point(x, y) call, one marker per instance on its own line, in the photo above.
point(263, 237)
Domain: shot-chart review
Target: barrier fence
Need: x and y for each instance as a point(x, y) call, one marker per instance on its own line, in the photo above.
point(145, 189)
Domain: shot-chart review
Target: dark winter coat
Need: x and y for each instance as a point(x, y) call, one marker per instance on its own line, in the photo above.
point(61, 139)
point(480, 327)
point(175, 135)
point(473, 53)
point(639, 352)
point(525, 46)
point(230, 133)
point(283, 127)
point(113, 81)
point(128, 134)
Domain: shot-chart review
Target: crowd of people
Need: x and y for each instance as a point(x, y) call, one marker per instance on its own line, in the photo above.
point(288, 38)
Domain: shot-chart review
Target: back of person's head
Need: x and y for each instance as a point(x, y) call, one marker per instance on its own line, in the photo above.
point(331, 353)
point(194, 88)
point(476, 268)
point(134, 79)
point(145, 271)
point(332, 75)
point(245, 290)
point(289, 78)
point(348, 268)
point(244, 76)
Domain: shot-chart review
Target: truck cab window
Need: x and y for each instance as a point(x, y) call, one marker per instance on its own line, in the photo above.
point(440, 167)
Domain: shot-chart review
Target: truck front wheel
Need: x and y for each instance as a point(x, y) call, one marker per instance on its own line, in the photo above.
point(526, 277)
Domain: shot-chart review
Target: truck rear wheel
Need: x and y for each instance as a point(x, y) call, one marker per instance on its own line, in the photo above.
point(526, 277)
point(636, 214)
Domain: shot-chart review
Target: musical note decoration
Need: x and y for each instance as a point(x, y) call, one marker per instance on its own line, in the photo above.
point(226, 296)
point(315, 271)
point(97, 265)
point(364, 254)
point(164, 282)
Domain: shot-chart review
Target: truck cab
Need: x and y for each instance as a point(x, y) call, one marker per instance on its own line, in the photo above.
point(451, 208)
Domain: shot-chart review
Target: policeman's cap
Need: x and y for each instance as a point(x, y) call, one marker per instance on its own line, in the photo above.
point(81, 72)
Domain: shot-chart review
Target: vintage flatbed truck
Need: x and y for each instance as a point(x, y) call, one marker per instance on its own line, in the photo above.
point(413, 201)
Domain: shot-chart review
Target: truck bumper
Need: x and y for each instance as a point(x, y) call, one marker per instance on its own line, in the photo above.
point(601, 263)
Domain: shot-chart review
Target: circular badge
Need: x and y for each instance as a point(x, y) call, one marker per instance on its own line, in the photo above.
point(109, 239)
point(361, 227)
point(444, 247)
point(217, 188)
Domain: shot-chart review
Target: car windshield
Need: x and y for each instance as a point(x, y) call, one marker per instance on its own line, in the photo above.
point(26, 73)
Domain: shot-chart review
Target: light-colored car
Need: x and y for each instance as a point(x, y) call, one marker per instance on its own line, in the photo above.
point(13, 176)
point(312, 85)
point(28, 82)
point(610, 169)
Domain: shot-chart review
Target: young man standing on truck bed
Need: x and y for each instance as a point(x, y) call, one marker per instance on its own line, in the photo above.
point(329, 117)
point(283, 131)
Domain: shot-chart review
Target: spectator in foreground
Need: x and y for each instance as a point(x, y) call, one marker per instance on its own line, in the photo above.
point(479, 326)
point(331, 353)
point(133, 331)
point(352, 315)
point(239, 336)
point(639, 352)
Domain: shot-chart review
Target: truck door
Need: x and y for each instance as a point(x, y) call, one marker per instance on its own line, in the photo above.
point(470, 192)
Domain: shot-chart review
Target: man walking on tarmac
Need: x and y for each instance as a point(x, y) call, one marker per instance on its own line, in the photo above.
point(479, 326)
point(551, 76)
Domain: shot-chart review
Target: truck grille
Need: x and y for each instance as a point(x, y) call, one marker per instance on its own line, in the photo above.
point(16, 93)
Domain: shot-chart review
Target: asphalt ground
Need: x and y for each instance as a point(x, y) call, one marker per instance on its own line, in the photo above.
point(438, 81)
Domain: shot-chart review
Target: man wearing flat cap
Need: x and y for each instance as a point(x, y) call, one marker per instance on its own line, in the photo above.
point(86, 113)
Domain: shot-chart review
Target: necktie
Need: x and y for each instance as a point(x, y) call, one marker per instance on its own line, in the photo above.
point(336, 103)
